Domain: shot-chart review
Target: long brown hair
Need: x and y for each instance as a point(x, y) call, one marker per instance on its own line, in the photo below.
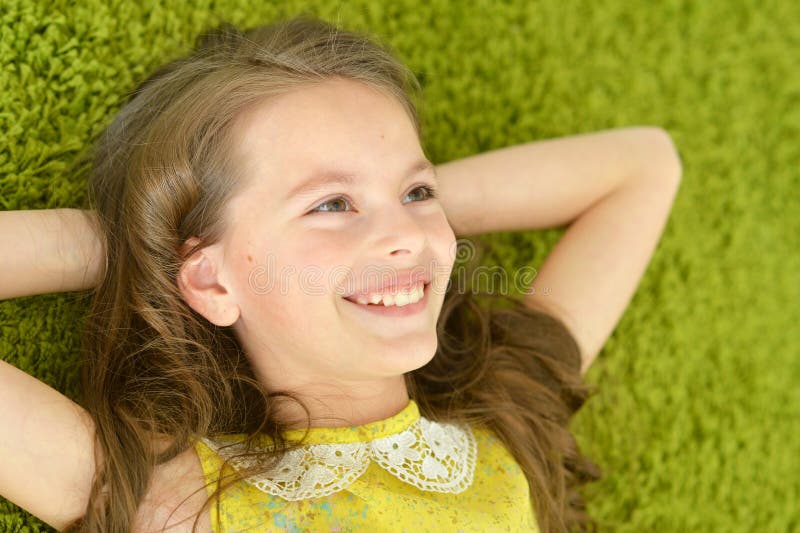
point(157, 371)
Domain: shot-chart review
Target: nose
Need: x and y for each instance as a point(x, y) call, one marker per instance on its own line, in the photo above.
point(399, 232)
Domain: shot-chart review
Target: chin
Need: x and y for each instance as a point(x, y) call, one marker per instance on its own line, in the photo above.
point(408, 361)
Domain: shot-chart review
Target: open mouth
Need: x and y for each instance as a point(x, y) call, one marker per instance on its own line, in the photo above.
point(382, 303)
point(393, 309)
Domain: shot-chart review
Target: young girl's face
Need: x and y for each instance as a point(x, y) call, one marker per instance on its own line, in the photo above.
point(292, 254)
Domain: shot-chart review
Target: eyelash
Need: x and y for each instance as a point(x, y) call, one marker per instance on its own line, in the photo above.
point(430, 190)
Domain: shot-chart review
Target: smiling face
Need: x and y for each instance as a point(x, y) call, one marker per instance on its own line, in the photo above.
point(291, 253)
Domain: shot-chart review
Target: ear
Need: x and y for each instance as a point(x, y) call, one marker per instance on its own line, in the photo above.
point(202, 288)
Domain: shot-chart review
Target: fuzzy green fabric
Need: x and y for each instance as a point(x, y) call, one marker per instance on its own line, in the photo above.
point(697, 421)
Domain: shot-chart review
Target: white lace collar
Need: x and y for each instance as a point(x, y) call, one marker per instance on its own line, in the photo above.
point(431, 456)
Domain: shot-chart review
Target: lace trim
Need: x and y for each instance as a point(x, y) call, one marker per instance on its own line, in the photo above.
point(431, 456)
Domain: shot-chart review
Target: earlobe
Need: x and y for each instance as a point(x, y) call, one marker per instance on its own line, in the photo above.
point(201, 289)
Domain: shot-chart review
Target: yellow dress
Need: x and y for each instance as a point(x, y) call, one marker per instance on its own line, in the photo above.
point(401, 474)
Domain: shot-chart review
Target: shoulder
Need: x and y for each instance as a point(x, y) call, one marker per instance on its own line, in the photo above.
point(164, 506)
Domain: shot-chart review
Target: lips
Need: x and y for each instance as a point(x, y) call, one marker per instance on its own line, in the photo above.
point(400, 282)
point(393, 312)
point(354, 298)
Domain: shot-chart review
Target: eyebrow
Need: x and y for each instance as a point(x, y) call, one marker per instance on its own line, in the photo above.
point(320, 179)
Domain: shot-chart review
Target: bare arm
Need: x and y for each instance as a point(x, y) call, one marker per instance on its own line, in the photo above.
point(48, 250)
point(46, 441)
point(615, 187)
point(47, 462)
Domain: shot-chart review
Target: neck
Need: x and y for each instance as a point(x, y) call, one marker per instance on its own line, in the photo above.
point(343, 405)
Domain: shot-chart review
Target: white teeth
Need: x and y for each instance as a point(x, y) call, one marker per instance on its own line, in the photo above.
point(417, 294)
point(411, 297)
point(400, 299)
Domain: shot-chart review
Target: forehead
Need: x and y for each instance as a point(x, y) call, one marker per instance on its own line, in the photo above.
point(340, 124)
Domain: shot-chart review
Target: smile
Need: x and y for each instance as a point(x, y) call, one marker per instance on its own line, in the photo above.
point(400, 304)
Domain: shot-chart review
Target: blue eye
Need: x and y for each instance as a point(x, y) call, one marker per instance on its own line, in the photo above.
point(429, 192)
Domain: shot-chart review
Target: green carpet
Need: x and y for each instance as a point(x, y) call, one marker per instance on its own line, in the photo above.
point(698, 421)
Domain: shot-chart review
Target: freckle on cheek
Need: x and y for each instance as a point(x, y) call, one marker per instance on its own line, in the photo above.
point(249, 258)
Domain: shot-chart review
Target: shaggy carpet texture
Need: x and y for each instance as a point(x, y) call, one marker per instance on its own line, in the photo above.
point(697, 421)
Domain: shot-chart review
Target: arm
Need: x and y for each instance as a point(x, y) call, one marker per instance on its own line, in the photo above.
point(615, 187)
point(46, 440)
point(46, 444)
point(48, 250)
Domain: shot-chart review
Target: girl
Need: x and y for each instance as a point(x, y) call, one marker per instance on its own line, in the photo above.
point(245, 367)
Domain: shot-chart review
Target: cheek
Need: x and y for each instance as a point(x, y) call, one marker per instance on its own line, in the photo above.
point(297, 278)
point(285, 297)
point(318, 258)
